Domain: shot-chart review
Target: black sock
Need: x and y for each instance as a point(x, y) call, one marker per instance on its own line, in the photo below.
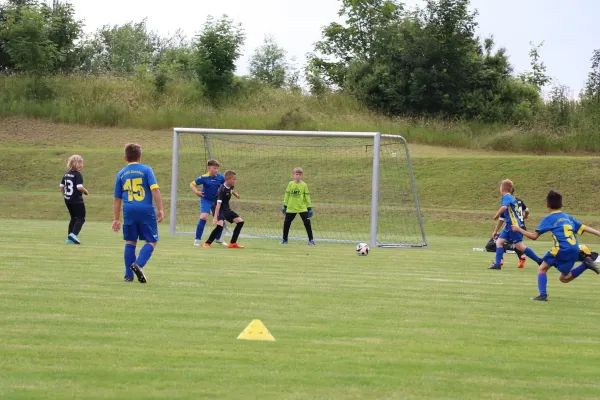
point(78, 225)
point(236, 232)
point(213, 235)
point(71, 223)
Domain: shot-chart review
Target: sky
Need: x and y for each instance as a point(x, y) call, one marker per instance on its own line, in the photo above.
point(569, 29)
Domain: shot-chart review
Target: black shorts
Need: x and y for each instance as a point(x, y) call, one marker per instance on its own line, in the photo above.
point(228, 216)
point(76, 210)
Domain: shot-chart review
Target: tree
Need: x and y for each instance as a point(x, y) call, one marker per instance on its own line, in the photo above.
point(216, 49)
point(268, 64)
point(592, 87)
point(537, 76)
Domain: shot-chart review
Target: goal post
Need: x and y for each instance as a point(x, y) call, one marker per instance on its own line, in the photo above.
point(362, 184)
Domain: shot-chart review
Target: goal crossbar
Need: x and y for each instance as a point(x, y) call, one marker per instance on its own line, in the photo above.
point(376, 136)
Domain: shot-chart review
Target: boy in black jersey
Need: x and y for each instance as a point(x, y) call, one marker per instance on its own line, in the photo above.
point(72, 188)
point(223, 212)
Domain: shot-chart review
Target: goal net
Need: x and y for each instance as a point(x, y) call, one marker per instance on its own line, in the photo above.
point(361, 184)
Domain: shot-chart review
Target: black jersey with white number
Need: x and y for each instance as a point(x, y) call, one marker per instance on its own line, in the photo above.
point(223, 197)
point(71, 182)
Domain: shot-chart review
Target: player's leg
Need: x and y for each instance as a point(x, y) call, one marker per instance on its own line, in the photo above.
point(219, 239)
point(149, 232)
point(543, 279)
point(232, 217)
point(130, 235)
point(519, 245)
point(308, 227)
point(79, 220)
point(287, 223)
point(213, 235)
point(71, 222)
point(204, 214)
point(497, 264)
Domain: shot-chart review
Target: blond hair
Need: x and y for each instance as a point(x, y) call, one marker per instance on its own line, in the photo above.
point(506, 186)
point(229, 173)
point(298, 169)
point(75, 163)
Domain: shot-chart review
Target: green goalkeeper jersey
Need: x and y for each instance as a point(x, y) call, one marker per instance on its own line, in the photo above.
point(297, 197)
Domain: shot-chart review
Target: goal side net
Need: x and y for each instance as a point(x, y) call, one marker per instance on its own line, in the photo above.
point(361, 184)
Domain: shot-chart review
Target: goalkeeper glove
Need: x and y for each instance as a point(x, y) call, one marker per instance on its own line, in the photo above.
point(310, 213)
point(283, 209)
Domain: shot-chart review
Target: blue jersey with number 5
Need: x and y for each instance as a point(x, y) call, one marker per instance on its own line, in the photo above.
point(134, 186)
point(563, 228)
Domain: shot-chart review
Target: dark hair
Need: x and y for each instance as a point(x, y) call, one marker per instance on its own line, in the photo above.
point(554, 200)
point(212, 163)
point(133, 152)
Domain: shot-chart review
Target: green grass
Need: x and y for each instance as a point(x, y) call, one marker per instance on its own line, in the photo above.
point(398, 324)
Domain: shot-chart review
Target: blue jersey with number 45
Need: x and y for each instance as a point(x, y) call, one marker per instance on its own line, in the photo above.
point(134, 185)
point(563, 228)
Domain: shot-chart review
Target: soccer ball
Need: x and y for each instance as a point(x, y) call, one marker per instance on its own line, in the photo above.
point(362, 249)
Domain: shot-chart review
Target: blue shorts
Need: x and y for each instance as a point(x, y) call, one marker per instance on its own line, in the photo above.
point(206, 206)
point(563, 262)
point(515, 237)
point(147, 231)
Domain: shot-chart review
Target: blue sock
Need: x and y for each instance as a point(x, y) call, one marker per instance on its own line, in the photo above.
point(531, 254)
point(499, 255)
point(200, 228)
point(577, 271)
point(129, 259)
point(218, 238)
point(145, 254)
point(542, 282)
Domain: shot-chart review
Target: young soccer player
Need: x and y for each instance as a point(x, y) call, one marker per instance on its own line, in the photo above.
point(71, 186)
point(566, 250)
point(135, 187)
point(297, 201)
point(223, 212)
point(522, 215)
point(508, 209)
point(210, 181)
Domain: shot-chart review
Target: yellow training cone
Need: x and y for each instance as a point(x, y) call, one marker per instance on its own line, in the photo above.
point(256, 330)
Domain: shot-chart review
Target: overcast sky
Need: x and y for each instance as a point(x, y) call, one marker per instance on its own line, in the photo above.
point(570, 29)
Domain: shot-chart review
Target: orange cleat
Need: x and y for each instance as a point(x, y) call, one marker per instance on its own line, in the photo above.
point(521, 263)
point(235, 246)
point(206, 245)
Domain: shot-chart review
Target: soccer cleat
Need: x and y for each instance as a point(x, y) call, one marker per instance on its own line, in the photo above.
point(284, 242)
point(69, 241)
point(235, 246)
point(541, 297)
point(74, 238)
point(222, 243)
point(137, 270)
point(521, 263)
point(590, 264)
point(128, 279)
point(495, 266)
point(311, 242)
point(197, 242)
point(206, 245)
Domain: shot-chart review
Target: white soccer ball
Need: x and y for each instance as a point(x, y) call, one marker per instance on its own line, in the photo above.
point(362, 249)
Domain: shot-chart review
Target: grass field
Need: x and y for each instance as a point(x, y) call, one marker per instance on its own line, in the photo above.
point(398, 324)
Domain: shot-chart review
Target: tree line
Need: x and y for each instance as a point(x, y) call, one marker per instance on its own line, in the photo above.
point(393, 59)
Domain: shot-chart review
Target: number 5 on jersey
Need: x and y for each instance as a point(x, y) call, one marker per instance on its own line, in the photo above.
point(135, 190)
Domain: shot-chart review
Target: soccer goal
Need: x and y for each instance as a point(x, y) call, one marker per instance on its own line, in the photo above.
point(361, 183)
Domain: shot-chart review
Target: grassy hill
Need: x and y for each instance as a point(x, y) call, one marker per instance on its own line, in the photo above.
point(457, 188)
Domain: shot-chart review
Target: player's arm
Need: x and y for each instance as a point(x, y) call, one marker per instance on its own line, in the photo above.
point(499, 224)
point(286, 198)
point(218, 205)
point(79, 184)
point(62, 185)
point(591, 230)
point(525, 210)
point(236, 194)
point(194, 188)
point(530, 235)
point(308, 202)
point(159, 204)
point(500, 212)
point(118, 193)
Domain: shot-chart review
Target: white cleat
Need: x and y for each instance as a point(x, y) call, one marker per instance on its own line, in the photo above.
point(197, 242)
point(222, 243)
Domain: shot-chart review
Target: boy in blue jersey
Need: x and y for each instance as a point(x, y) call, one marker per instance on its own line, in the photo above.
point(210, 181)
point(135, 187)
point(509, 210)
point(566, 250)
